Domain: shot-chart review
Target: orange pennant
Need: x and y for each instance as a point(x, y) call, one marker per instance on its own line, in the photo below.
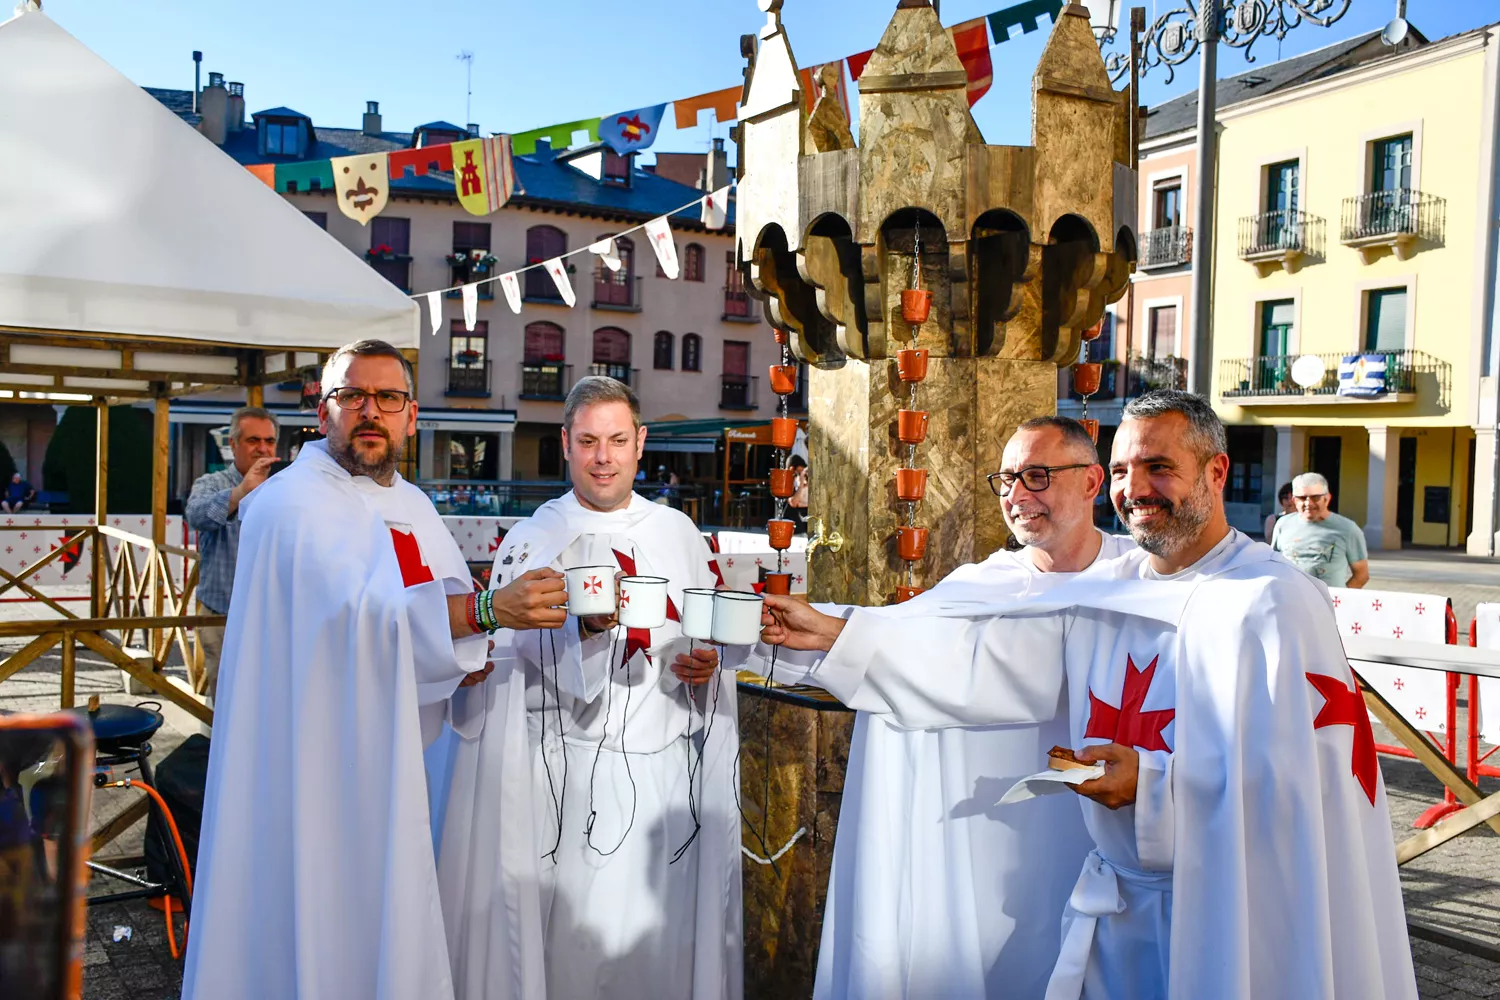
point(266, 172)
point(725, 105)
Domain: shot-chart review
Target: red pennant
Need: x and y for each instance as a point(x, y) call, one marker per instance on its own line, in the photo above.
point(857, 63)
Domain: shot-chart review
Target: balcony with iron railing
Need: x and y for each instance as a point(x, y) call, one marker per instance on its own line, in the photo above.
point(1170, 246)
point(1143, 374)
point(618, 292)
point(545, 380)
point(738, 392)
point(738, 306)
point(1393, 220)
point(1267, 379)
point(1281, 240)
point(468, 375)
point(618, 372)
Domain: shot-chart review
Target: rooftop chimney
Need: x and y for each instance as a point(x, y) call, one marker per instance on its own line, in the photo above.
point(372, 118)
point(234, 118)
point(213, 105)
point(716, 171)
point(197, 78)
point(473, 130)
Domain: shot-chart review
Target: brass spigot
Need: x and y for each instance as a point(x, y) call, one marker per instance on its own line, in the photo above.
point(820, 537)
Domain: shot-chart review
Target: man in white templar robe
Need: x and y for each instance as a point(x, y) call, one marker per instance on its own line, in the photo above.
point(935, 888)
point(1243, 845)
point(346, 638)
point(634, 743)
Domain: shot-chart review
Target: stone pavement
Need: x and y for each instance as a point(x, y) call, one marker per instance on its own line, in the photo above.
point(1454, 889)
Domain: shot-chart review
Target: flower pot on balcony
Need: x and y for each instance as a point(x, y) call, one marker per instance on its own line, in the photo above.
point(783, 433)
point(1086, 376)
point(916, 305)
point(911, 426)
point(911, 484)
point(911, 543)
point(783, 482)
point(783, 379)
point(781, 533)
point(467, 357)
point(904, 594)
point(911, 364)
point(779, 583)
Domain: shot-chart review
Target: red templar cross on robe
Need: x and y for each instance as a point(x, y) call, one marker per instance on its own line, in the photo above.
point(1128, 725)
point(1343, 707)
point(639, 638)
point(414, 568)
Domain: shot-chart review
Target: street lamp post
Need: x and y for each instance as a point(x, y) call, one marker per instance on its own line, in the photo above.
point(1198, 26)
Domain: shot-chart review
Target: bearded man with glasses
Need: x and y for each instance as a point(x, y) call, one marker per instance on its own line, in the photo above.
point(354, 623)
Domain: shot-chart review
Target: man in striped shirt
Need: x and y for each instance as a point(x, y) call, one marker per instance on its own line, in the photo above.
point(213, 512)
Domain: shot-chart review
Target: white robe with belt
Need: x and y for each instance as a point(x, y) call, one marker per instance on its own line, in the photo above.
point(316, 876)
point(1257, 859)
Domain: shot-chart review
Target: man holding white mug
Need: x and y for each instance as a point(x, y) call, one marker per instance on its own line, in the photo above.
point(633, 739)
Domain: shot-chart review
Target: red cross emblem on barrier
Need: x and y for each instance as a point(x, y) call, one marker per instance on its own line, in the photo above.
point(1397, 631)
point(1375, 605)
point(1420, 609)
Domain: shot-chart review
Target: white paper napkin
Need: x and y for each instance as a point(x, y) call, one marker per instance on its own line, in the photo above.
point(1049, 782)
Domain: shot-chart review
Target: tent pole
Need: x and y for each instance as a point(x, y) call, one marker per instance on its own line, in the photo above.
point(99, 549)
point(161, 439)
point(255, 395)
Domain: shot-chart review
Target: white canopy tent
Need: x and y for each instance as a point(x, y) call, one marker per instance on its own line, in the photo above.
point(120, 221)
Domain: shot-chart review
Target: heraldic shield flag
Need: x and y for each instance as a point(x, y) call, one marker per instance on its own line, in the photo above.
point(630, 131)
point(483, 174)
point(361, 185)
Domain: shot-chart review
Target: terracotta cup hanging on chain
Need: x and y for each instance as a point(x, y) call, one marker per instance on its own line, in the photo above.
point(911, 364)
point(1094, 332)
point(781, 533)
point(1092, 426)
point(911, 484)
point(783, 379)
point(783, 482)
point(916, 305)
point(911, 426)
point(779, 583)
point(783, 432)
point(1086, 376)
point(781, 337)
point(904, 594)
point(911, 543)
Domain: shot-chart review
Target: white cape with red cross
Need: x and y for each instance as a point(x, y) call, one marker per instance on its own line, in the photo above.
point(315, 869)
point(1257, 860)
point(617, 921)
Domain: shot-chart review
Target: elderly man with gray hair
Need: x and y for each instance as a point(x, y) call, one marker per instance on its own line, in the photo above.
point(1322, 544)
point(213, 512)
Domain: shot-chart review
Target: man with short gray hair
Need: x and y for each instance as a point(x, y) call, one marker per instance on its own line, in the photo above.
point(213, 512)
point(1322, 544)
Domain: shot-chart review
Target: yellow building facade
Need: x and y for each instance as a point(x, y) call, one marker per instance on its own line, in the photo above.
point(1353, 289)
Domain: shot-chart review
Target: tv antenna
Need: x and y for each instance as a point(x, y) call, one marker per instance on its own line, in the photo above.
point(467, 58)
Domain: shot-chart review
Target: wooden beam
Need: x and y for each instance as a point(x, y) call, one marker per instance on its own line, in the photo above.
point(1429, 755)
point(123, 373)
point(123, 820)
point(255, 395)
point(153, 680)
point(13, 629)
point(1440, 833)
point(69, 670)
point(101, 506)
point(21, 658)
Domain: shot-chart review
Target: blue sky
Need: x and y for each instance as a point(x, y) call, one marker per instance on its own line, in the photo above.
point(538, 64)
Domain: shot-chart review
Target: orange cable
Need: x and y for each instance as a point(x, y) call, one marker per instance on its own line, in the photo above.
point(187, 872)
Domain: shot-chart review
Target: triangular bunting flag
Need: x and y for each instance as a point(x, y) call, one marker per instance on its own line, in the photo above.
point(435, 310)
point(606, 250)
point(559, 272)
point(857, 63)
point(360, 185)
point(471, 306)
point(660, 233)
point(512, 289)
point(483, 174)
point(630, 131)
point(716, 208)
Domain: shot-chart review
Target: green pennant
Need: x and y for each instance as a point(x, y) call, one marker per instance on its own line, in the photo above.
point(523, 143)
point(313, 175)
point(1026, 15)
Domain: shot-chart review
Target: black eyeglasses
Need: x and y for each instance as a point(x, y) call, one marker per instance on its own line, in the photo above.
point(1035, 478)
point(388, 400)
point(1310, 498)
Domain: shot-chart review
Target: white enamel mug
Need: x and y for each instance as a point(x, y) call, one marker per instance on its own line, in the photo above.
point(591, 590)
point(643, 601)
point(736, 618)
point(698, 613)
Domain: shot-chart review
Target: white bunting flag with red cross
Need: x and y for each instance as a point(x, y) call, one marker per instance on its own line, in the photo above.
point(435, 310)
point(512, 289)
point(659, 231)
point(471, 306)
point(716, 208)
point(559, 272)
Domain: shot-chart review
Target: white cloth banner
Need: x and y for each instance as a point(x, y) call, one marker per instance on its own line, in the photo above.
point(716, 208)
point(660, 233)
point(1487, 636)
point(512, 288)
point(606, 250)
point(559, 272)
point(435, 310)
point(471, 306)
point(1421, 696)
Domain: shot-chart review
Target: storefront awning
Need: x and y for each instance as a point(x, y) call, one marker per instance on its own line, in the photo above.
point(693, 436)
